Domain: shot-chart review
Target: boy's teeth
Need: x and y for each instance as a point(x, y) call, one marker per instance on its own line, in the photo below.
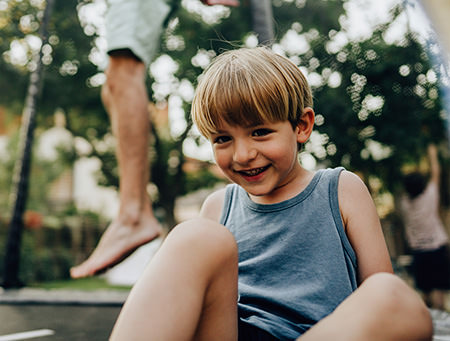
point(254, 172)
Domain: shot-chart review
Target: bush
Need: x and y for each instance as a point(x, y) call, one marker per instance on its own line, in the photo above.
point(48, 253)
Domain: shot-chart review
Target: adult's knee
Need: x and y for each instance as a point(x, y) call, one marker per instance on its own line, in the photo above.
point(121, 72)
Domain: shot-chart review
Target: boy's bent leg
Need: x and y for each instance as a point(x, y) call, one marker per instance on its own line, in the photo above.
point(382, 308)
point(189, 289)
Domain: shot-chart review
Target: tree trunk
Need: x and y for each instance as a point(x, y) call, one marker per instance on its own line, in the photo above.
point(22, 167)
point(262, 21)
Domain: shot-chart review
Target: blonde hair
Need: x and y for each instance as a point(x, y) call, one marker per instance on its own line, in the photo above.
point(249, 87)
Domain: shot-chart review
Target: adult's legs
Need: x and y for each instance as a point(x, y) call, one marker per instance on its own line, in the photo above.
point(125, 98)
point(189, 289)
point(382, 308)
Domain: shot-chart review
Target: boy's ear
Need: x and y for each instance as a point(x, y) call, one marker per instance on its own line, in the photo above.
point(305, 125)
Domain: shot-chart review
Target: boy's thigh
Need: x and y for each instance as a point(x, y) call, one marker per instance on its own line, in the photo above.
point(218, 318)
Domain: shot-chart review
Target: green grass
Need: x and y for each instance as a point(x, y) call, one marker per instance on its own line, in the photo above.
point(91, 283)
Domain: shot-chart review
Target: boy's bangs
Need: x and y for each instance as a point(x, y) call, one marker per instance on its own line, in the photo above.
point(244, 103)
point(241, 107)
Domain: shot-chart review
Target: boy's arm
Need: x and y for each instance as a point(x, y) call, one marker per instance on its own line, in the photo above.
point(362, 226)
point(212, 206)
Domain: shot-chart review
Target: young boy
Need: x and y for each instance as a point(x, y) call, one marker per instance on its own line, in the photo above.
point(305, 258)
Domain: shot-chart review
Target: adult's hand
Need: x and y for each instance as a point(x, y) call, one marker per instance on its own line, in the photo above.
point(233, 3)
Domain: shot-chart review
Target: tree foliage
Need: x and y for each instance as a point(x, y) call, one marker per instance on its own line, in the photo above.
point(386, 109)
point(378, 102)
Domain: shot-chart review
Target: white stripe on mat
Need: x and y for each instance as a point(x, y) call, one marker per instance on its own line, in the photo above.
point(27, 335)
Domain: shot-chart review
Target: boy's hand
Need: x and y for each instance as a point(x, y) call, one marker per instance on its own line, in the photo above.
point(233, 3)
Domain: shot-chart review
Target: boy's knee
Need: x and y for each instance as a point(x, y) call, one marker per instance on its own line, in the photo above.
point(394, 298)
point(204, 235)
point(389, 291)
point(383, 281)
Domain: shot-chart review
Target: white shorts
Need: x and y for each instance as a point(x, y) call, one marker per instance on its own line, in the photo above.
point(136, 25)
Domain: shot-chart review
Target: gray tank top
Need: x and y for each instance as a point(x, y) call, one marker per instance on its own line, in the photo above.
point(296, 264)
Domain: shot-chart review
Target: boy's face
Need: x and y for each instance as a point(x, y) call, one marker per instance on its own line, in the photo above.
point(262, 159)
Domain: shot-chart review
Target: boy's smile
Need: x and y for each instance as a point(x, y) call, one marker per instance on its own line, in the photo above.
point(262, 159)
point(252, 174)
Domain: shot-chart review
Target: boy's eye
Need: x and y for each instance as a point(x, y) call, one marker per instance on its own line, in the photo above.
point(221, 139)
point(261, 132)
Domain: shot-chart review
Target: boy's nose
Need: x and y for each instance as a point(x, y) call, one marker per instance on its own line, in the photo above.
point(244, 152)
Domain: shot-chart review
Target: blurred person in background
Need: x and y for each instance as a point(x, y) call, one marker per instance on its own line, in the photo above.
point(425, 232)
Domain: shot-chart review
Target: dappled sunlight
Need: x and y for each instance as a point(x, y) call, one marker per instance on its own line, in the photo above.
point(380, 85)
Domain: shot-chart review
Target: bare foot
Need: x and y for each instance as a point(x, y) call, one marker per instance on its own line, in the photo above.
point(117, 243)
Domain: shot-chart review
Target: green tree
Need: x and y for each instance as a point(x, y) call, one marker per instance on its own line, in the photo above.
point(385, 109)
point(66, 75)
point(370, 95)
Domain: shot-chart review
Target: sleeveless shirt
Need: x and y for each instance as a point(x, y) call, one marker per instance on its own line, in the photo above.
point(296, 264)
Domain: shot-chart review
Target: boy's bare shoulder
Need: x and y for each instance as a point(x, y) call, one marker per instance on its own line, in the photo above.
point(354, 196)
point(351, 187)
point(212, 206)
point(350, 180)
